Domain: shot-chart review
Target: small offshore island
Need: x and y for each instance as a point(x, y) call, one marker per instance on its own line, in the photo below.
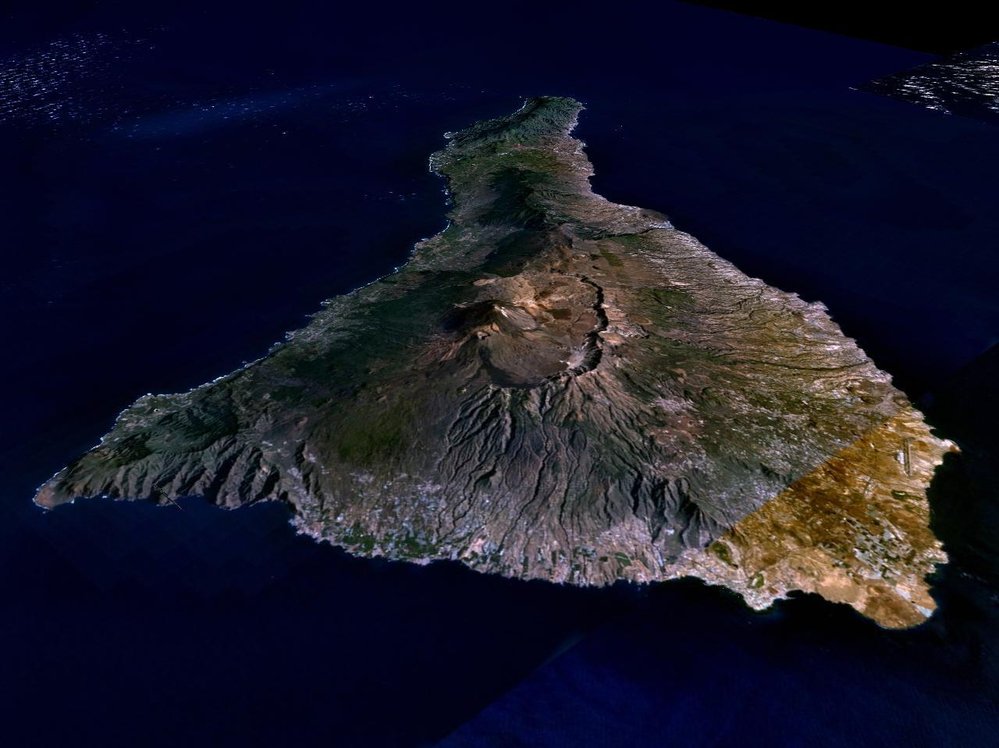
point(558, 387)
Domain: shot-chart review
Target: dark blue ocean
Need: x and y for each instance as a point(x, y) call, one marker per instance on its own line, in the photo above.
point(180, 185)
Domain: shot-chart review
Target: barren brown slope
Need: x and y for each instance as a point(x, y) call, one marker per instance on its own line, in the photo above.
point(554, 387)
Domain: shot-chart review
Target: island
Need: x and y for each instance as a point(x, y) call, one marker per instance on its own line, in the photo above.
point(559, 387)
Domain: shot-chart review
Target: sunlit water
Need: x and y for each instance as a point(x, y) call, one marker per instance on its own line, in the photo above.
point(966, 83)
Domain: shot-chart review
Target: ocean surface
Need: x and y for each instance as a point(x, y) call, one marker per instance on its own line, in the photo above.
point(180, 186)
point(965, 83)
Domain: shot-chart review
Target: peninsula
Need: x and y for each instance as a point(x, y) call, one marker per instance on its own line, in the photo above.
point(563, 388)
